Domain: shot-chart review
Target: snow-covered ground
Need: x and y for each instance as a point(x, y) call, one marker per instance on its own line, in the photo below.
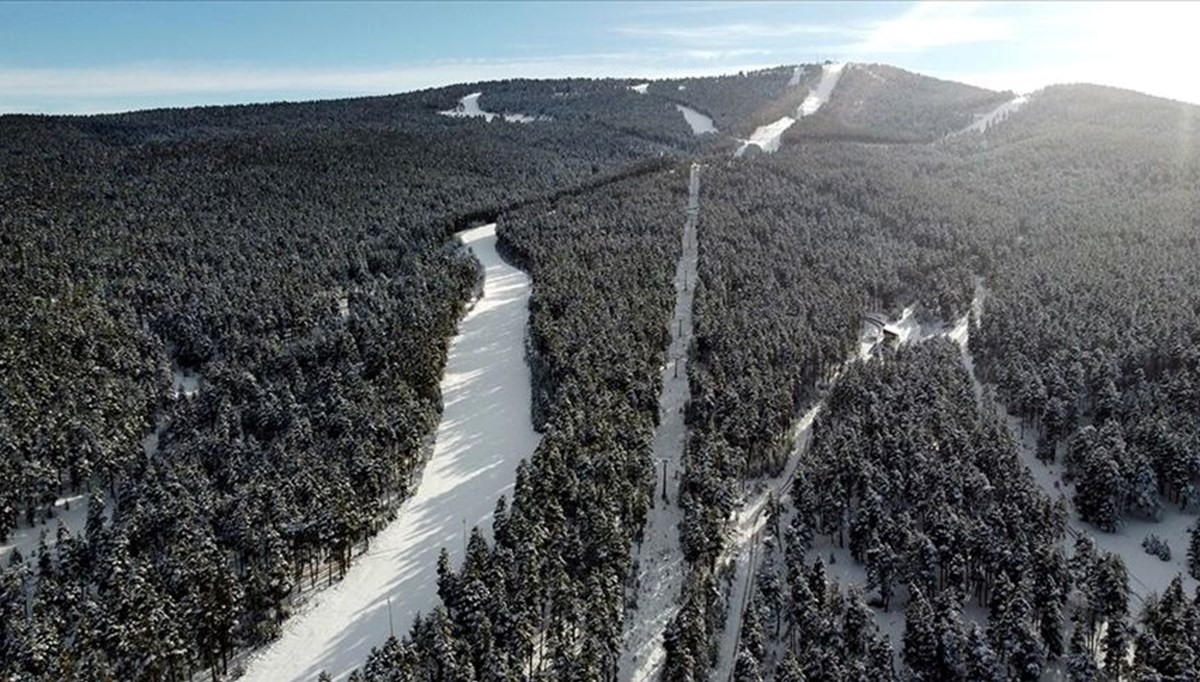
point(184, 382)
point(767, 137)
point(468, 106)
point(484, 432)
point(797, 74)
point(640, 89)
point(991, 118)
point(70, 510)
point(660, 565)
point(745, 543)
point(1147, 574)
point(830, 73)
point(742, 550)
point(700, 123)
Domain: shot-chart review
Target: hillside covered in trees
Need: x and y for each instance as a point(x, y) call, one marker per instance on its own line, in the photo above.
point(225, 329)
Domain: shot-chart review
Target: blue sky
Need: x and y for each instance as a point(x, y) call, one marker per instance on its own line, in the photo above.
point(62, 57)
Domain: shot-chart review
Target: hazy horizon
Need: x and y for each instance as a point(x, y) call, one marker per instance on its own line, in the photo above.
point(76, 58)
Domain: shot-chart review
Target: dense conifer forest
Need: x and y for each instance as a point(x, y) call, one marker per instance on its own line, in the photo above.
point(296, 259)
point(225, 329)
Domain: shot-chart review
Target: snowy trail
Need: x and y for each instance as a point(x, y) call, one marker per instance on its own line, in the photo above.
point(660, 559)
point(484, 432)
point(767, 137)
point(468, 107)
point(743, 551)
point(991, 118)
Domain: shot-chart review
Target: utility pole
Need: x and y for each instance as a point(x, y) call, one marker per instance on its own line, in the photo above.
point(391, 626)
point(666, 500)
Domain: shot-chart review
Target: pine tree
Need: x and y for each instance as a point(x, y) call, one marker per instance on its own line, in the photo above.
point(982, 663)
point(920, 638)
point(1081, 661)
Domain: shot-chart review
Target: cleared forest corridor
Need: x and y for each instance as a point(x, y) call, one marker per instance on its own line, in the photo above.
point(660, 565)
point(484, 432)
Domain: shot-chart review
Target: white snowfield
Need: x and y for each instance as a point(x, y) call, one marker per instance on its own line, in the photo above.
point(830, 73)
point(700, 123)
point(484, 432)
point(660, 568)
point(993, 117)
point(767, 137)
point(468, 107)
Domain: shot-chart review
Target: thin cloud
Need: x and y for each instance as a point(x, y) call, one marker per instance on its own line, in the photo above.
point(929, 25)
point(97, 90)
point(923, 26)
point(736, 32)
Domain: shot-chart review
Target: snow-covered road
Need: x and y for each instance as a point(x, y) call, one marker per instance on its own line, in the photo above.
point(484, 432)
point(660, 562)
point(744, 551)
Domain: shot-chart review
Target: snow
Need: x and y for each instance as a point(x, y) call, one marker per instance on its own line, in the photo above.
point(484, 432)
point(660, 566)
point(747, 535)
point(640, 89)
point(25, 538)
point(991, 118)
point(742, 549)
point(184, 382)
point(767, 137)
point(700, 123)
point(1147, 574)
point(830, 74)
point(797, 74)
point(468, 106)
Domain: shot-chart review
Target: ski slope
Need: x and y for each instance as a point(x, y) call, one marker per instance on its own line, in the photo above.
point(767, 137)
point(468, 107)
point(660, 565)
point(484, 432)
point(991, 118)
point(700, 123)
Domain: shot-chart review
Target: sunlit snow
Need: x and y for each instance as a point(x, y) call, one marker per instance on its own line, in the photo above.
point(767, 137)
point(700, 123)
point(484, 432)
point(468, 107)
point(991, 118)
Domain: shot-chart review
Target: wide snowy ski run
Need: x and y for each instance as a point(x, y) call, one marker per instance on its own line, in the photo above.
point(484, 432)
